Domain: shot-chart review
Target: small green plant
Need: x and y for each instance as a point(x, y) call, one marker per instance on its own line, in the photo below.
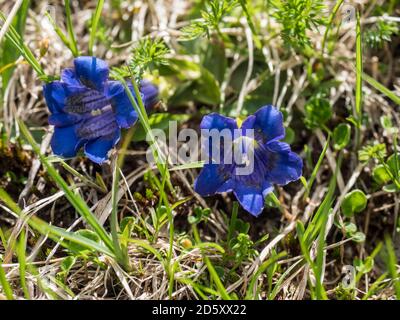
point(354, 202)
point(148, 54)
point(318, 111)
point(341, 136)
point(297, 17)
point(382, 32)
point(387, 173)
point(372, 151)
point(215, 11)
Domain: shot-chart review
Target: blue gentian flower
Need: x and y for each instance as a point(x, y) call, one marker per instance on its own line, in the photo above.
point(274, 162)
point(88, 110)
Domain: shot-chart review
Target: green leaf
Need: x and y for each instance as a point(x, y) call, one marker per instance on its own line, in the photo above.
point(5, 285)
point(318, 112)
point(84, 233)
point(375, 151)
point(55, 233)
point(183, 68)
point(215, 60)
point(270, 201)
point(359, 237)
point(67, 263)
point(66, 266)
point(193, 219)
point(364, 266)
point(16, 41)
point(393, 163)
point(204, 89)
point(207, 89)
point(352, 120)
point(127, 223)
point(380, 175)
point(290, 135)
point(386, 122)
point(354, 202)
point(70, 28)
point(241, 226)
point(199, 214)
point(391, 188)
point(350, 228)
point(380, 87)
point(341, 136)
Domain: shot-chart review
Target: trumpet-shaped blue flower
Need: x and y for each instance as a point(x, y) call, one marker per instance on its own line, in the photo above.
point(88, 110)
point(272, 160)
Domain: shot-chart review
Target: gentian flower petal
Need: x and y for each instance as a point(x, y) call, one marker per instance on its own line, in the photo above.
point(217, 121)
point(251, 198)
point(124, 111)
point(83, 101)
point(92, 72)
point(215, 177)
point(220, 124)
point(69, 77)
point(267, 123)
point(264, 160)
point(55, 95)
point(64, 119)
point(286, 165)
point(103, 125)
point(125, 114)
point(65, 141)
point(87, 109)
point(212, 179)
point(149, 94)
point(97, 150)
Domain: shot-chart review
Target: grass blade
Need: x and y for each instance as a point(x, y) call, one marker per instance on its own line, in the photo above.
point(54, 232)
point(60, 33)
point(9, 55)
point(122, 256)
point(70, 29)
point(391, 262)
point(10, 17)
point(380, 87)
point(76, 201)
point(213, 274)
point(316, 168)
point(329, 25)
point(95, 21)
point(15, 39)
point(21, 253)
point(5, 284)
point(359, 70)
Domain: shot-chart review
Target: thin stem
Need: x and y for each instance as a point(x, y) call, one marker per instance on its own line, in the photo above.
point(95, 21)
point(10, 18)
point(121, 256)
point(329, 25)
point(232, 224)
point(70, 29)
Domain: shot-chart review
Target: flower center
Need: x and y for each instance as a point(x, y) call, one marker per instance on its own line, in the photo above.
point(101, 125)
point(243, 149)
point(86, 101)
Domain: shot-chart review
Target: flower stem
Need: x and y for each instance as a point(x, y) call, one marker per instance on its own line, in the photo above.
point(121, 255)
point(95, 21)
point(70, 29)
